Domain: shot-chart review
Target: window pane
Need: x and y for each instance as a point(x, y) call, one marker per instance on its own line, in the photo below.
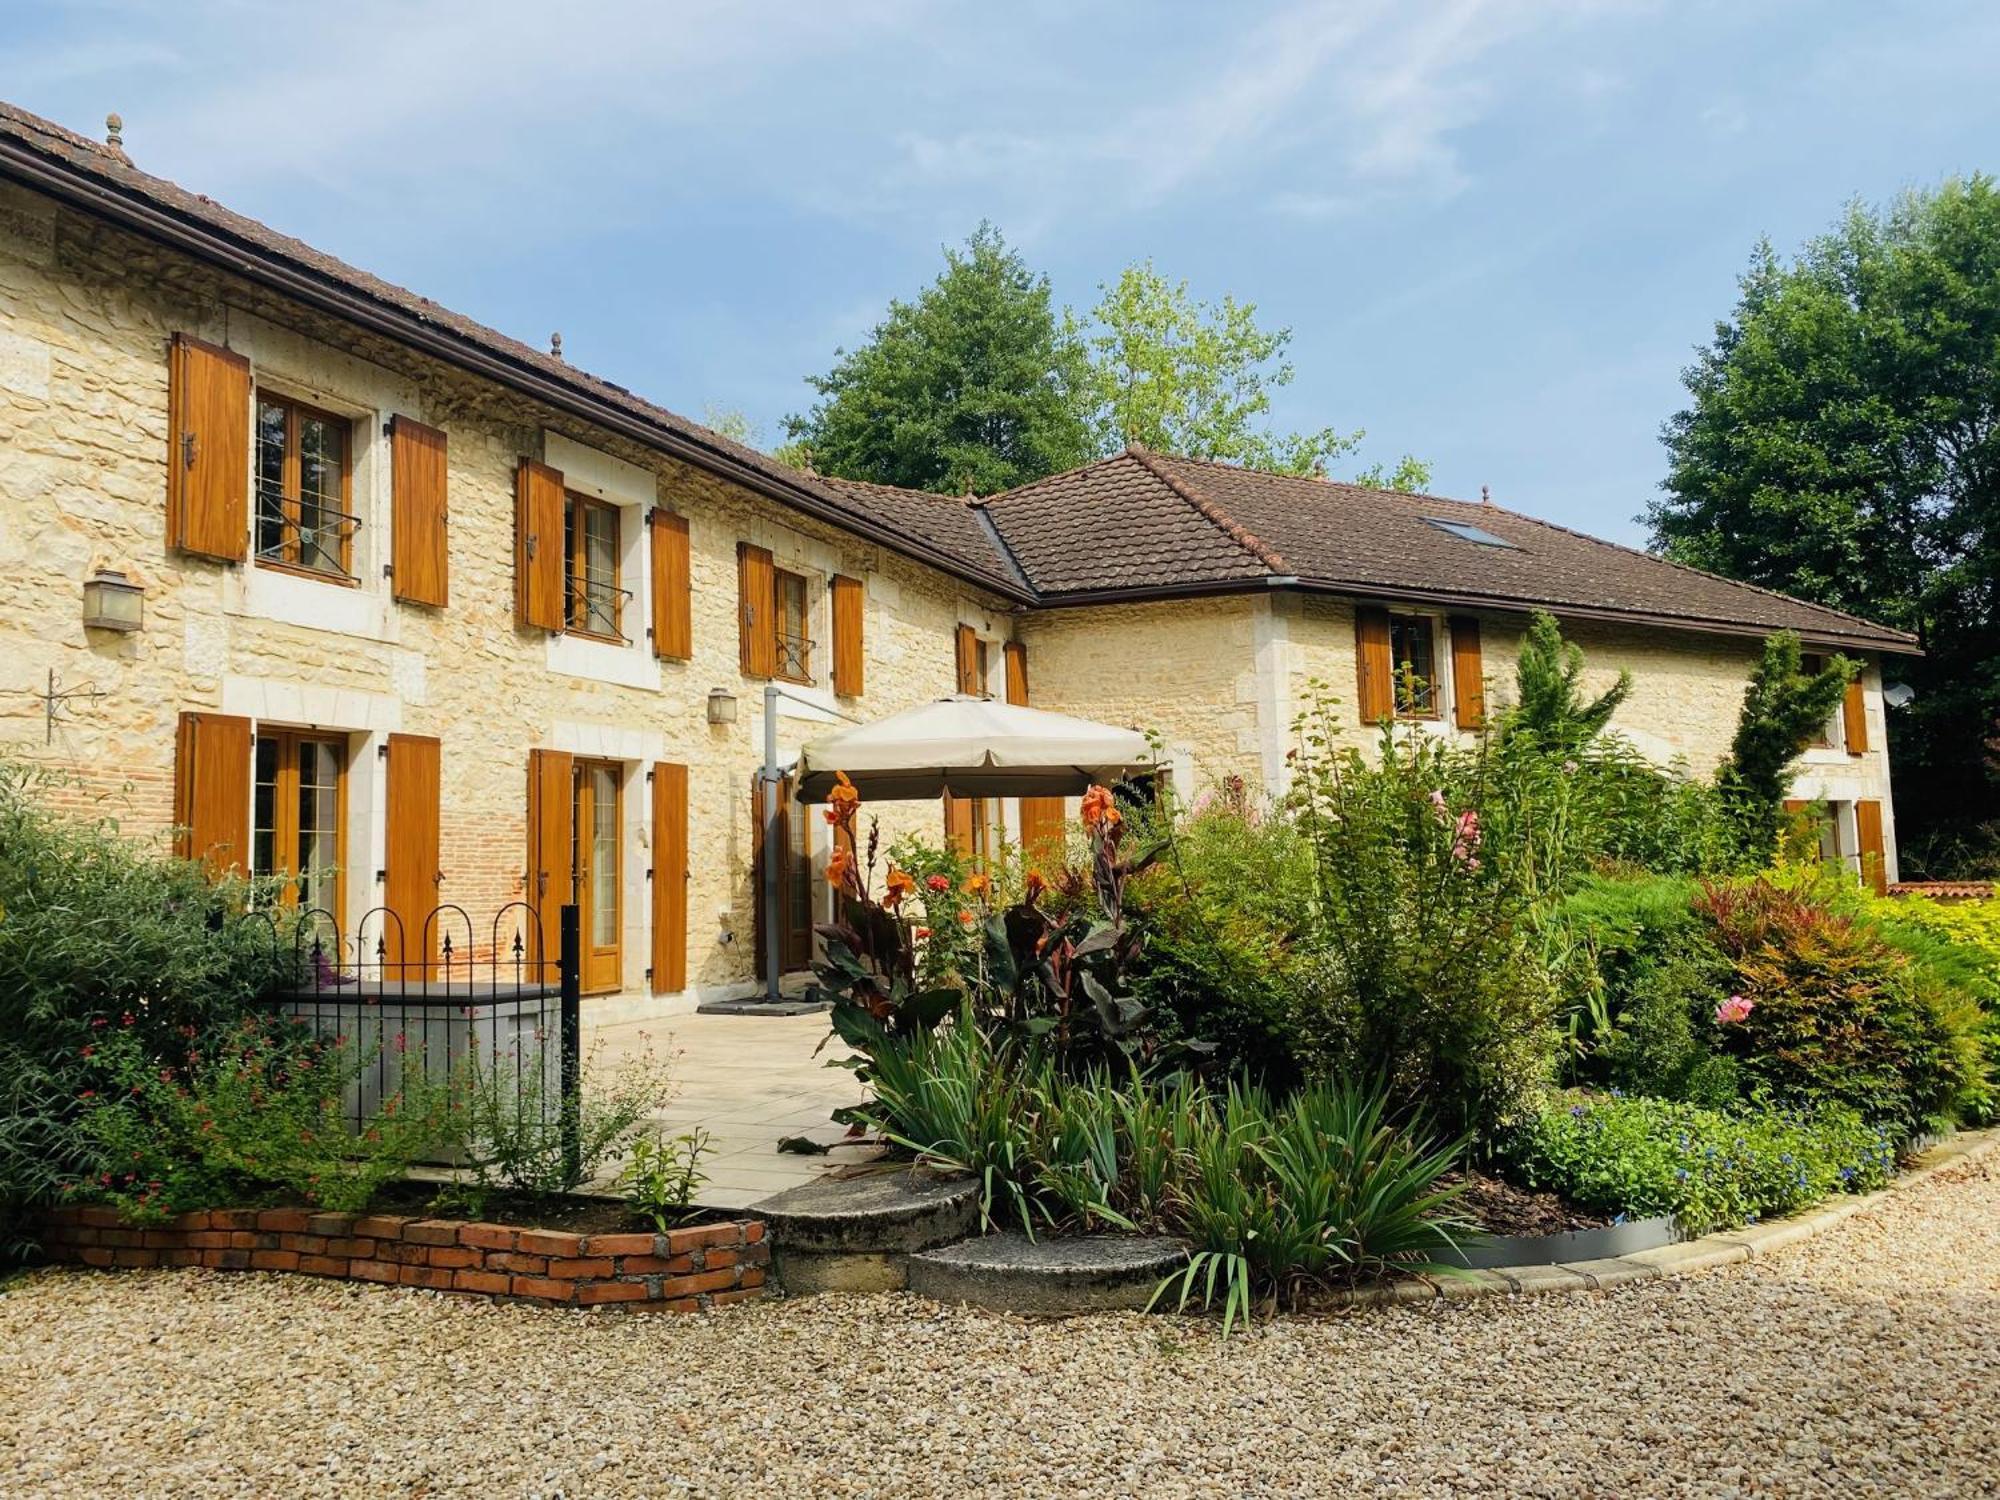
point(603, 857)
point(794, 643)
point(1416, 672)
point(318, 856)
point(600, 566)
point(270, 479)
point(264, 809)
point(322, 462)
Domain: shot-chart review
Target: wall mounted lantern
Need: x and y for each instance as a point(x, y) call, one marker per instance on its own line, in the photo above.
point(721, 706)
point(111, 601)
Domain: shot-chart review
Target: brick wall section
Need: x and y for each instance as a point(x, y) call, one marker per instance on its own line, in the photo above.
point(707, 1265)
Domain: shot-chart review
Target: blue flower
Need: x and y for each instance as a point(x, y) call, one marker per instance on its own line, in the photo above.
point(1681, 1173)
point(1577, 1110)
point(1618, 1093)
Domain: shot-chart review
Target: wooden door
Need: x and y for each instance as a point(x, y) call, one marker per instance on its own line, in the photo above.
point(599, 866)
point(411, 874)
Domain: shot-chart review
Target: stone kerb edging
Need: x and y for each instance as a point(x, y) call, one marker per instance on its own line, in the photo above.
point(703, 1265)
point(1724, 1247)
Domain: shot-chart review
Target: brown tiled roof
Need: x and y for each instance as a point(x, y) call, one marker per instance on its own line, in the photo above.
point(1131, 525)
point(1144, 522)
point(103, 179)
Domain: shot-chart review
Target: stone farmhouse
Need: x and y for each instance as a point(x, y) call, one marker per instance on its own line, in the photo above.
point(343, 586)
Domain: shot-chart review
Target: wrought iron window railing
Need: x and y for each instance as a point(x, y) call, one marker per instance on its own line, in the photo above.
point(795, 657)
point(305, 533)
point(597, 607)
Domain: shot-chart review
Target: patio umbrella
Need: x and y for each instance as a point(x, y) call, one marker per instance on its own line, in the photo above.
point(971, 747)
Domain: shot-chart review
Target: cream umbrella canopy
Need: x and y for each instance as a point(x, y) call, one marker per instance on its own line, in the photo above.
point(971, 747)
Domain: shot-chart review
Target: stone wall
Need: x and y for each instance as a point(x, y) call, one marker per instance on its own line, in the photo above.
point(88, 313)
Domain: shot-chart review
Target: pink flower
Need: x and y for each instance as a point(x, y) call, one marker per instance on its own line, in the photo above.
point(1735, 1009)
point(1440, 807)
point(939, 883)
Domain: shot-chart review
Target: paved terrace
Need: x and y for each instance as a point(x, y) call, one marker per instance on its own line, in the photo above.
point(747, 1081)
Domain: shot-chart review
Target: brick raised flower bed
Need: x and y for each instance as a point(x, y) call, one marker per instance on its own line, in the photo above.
point(705, 1265)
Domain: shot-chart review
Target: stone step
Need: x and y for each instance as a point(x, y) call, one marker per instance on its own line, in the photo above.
point(1008, 1272)
point(855, 1234)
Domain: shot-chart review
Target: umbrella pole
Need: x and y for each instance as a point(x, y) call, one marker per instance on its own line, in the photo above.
point(773, 913)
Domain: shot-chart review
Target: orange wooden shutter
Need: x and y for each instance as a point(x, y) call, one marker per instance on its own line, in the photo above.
point(1854, 718)
point(756, 611)
point(673, 586)
point(1468, 674)
point(849, 606)
point(960, 814)
point(551, 882)
point(538, 546)
point(1868, 836)
point(1042, 818)
point(208, 441)
point(966, 643)
point(670, 877)
point(410, 871)
point(212, 791)
point(1016, 657)
point(417, 516)
point(1375, 674)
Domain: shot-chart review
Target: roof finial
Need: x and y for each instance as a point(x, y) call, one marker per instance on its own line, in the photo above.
point(555, 345)
point(114, 131)
point(1485, 495)
point(806, 458)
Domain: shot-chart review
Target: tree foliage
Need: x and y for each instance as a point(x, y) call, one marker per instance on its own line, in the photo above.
point(1842, 443)
point(982, 382)
point(977, 383)
point(1549, 683)
point(1784, 707)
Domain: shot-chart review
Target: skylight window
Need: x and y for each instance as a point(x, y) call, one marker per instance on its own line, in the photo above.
point(1465, 531)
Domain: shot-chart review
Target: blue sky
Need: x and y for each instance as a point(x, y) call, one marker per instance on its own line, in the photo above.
point(1496, 227)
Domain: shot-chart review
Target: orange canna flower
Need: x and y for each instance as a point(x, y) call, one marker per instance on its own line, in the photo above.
point(839, 868)
point(895, 887)
point(1099, 808)
point(977, 884)
point(842, 801)
point(1035, 884)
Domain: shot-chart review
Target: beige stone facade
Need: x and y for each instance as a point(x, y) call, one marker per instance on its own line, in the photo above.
point(86, 316)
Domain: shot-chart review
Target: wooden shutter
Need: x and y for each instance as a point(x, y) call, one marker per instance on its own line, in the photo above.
point(1016, 656)
point(1375, 673)
point(670, 877)
point(208, 442)
point(538, 547)
point(960, 815)
point(551, 882)
point(1854, 718)
point(1042, 818)
point(1468, 674)
point(673, 586)
point(788, 943)
point(966, 643)
point(410, 871)
point(420, 566)
point(849, 606)
point(756, 611)
point(1868, 837)
point(212, 791)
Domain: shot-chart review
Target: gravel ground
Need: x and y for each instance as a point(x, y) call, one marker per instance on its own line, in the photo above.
point(1864, 1361)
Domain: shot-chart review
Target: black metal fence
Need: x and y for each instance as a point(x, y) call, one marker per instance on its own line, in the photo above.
point(490, 1009)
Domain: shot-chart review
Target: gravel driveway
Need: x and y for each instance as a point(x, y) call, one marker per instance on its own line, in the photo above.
point(1866, 1361)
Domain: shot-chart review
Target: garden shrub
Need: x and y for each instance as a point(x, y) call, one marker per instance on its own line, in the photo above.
point(95, 928)
point(1710, 1169)
point(1837, 1014)
point(1642, 975)
point(1426, 926)
point(253, 1111)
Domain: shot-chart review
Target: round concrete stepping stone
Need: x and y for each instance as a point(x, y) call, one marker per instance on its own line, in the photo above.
point(853, 1234)
point(1011, 1273)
